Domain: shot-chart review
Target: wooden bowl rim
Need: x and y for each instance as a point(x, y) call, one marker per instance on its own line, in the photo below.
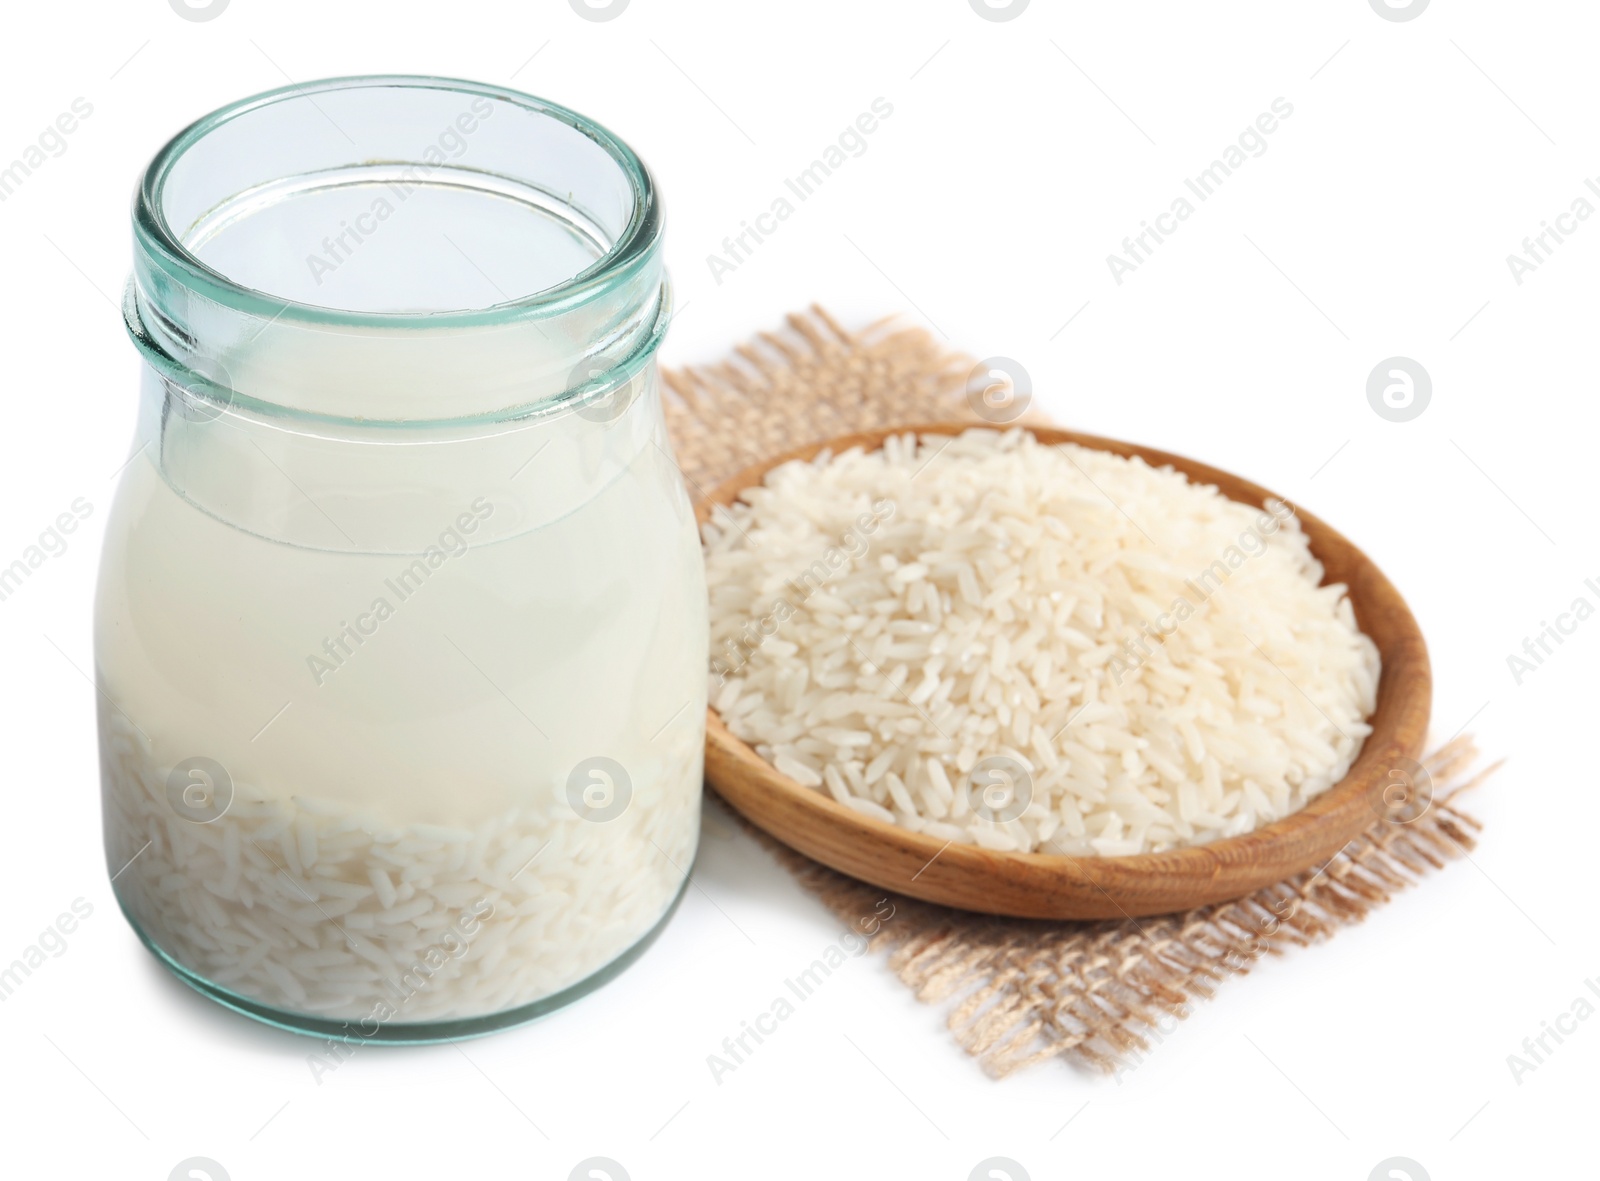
point(1343, 811)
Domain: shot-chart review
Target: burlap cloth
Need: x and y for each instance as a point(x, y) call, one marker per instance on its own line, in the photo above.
point(1019, 991)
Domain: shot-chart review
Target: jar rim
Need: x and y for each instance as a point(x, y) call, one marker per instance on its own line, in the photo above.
point(633, 247)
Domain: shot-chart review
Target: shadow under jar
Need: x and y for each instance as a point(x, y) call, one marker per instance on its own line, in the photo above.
point(400, 631)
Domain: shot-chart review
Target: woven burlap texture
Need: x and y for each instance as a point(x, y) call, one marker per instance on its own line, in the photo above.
point(1021, 991)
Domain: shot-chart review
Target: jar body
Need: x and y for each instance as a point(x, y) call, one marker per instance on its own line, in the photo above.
point(340, 782)
point(402, 695)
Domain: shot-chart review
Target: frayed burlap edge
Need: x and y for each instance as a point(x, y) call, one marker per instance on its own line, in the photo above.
point(814, 380)
point(1103, 993)
point(1022, 991)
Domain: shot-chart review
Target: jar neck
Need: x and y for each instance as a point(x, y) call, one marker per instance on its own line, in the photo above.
point(412, 377)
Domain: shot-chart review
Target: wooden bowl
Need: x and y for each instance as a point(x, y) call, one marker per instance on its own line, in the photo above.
point(1038, 885)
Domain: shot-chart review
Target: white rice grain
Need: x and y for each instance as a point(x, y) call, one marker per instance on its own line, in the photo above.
point(1160, 662)
point(311, 906)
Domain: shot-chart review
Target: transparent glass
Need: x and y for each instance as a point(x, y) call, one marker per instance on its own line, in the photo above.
point(400, 630)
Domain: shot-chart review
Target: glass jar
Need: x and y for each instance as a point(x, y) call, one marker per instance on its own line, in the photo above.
point(401, 623)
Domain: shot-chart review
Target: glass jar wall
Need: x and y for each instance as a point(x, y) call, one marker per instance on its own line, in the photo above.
point(400, 629)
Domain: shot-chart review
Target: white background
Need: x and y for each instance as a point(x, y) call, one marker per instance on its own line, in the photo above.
point(1019, 154)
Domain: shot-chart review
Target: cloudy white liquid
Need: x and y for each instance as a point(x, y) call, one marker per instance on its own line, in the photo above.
point(424, 763)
